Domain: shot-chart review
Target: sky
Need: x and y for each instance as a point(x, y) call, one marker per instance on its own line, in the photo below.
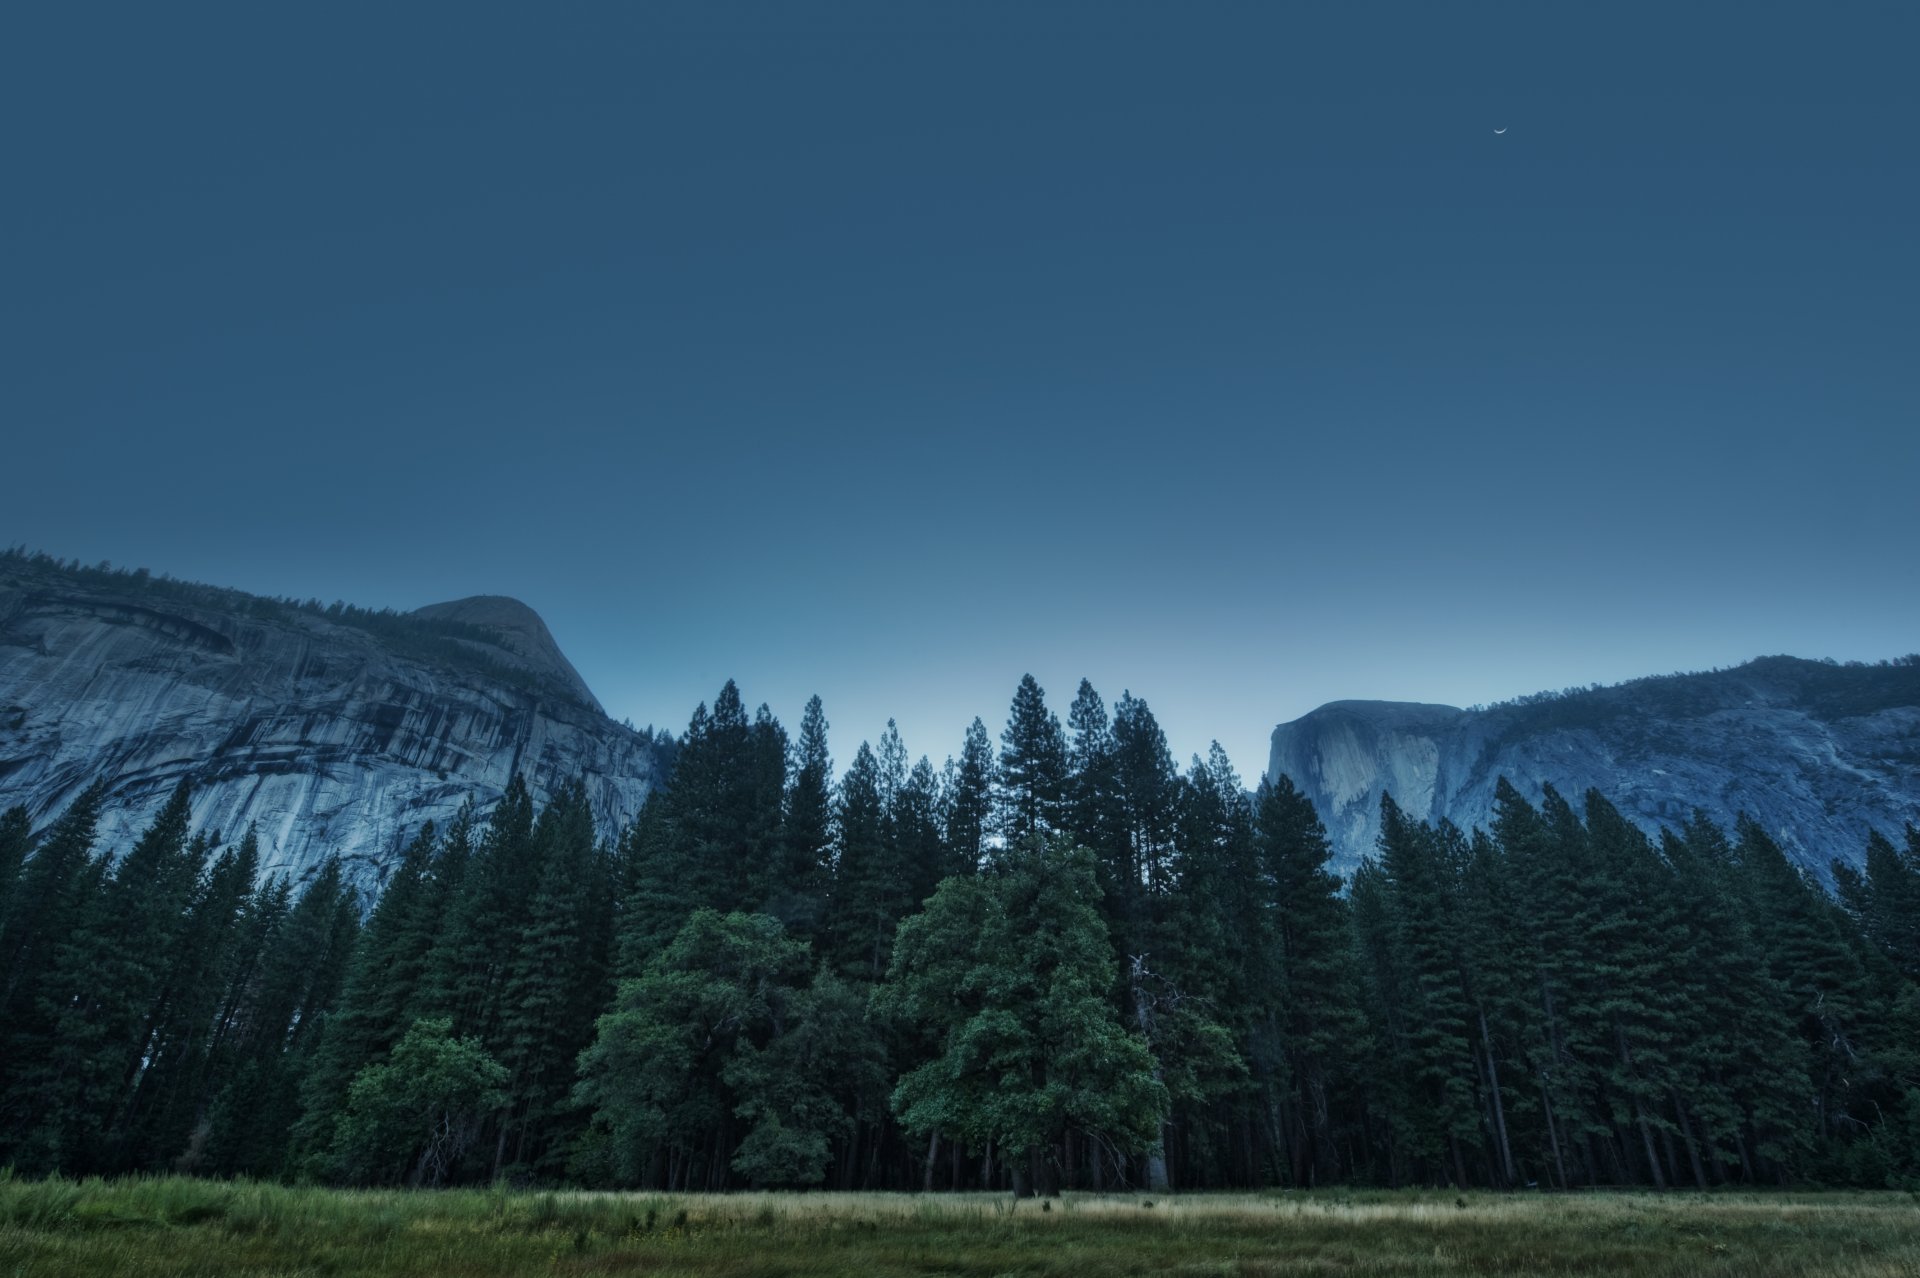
point(1223, 353)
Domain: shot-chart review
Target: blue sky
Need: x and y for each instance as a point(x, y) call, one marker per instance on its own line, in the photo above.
point(1222, 352)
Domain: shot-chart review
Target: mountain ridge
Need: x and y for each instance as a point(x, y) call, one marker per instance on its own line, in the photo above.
point(1819, 752)
point(333, 730)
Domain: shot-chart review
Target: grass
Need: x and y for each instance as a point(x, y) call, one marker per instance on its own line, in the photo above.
point(174, 1226)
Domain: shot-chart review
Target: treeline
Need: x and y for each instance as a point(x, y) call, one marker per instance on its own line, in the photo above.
point(1061, 963)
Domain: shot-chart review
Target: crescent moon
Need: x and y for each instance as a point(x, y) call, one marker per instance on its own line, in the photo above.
point(1499, 130)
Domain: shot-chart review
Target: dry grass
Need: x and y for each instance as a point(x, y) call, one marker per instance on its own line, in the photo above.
point(183, 1227)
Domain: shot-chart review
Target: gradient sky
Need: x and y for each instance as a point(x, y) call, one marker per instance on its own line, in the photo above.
point(1217, 351)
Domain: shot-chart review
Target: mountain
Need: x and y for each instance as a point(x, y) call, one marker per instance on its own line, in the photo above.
point(1817, 753)
point(335, 730)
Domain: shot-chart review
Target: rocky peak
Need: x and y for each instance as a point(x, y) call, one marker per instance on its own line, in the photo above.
point(519, 633)
point(1818, 753)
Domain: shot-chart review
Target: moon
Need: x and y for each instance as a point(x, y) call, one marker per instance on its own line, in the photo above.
point(1502, 130)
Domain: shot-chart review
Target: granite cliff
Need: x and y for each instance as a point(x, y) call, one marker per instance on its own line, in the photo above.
point(332, 730)
point(1818, 753)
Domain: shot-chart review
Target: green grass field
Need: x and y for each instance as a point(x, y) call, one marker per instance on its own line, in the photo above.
point(152, 1227)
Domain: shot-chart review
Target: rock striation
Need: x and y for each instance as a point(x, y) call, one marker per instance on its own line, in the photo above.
point(332, 731)
point(1819, 754)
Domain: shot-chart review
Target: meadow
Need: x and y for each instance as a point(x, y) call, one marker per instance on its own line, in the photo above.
point(174, 1226)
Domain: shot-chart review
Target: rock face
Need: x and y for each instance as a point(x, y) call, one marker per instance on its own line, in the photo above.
point(1818, 754)
point(335, 732)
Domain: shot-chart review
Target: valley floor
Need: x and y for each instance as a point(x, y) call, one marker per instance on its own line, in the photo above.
point(155, 1227)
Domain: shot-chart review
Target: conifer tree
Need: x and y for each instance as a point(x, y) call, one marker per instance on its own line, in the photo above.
point(1430, 1040)
point(969, 802)
point(16, 840)
point(558, 979)
point(281, 1025)
point(1307, 1029)
point(52, 897)
point(467, 980)
point(1746, 1071)
point(176, 1084)
point(1030, 785)
point(1146, 807)
point(1808, 953)
point(867, 896)
point(101, 993)
point(806, 830)
point(382, 983)
point(1885, 899)
point(916, 845)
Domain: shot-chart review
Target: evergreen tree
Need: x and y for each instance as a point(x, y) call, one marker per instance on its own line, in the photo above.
point(1030, 786)
point(281, 1025)
point(100, 996)
point(16, 840)
point(806, 830)
point(175, 1087)
point(1885, 901)
point(1306, 1030)
point(1146, 806)
point(558, 979)
point(1430, 1040)
point(382, 984)
point(869, 895)
point(916, 844)
point(54, 895)
point(1746, 1071)
point(469, 968)
point(969, 802)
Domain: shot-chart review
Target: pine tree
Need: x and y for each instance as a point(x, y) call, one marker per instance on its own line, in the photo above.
point(467, 980)
point(16, 840)
point(101, 993)
point(913, 832)
point(806, 830)
point(1746, 1072)
point(1544, 853)
point(281, 1025)
point(1146, 804)
point(1634, 988)
point(867, 896)
point(382, 984)
point(1808, 953)
point(1308, 1030)
point(558, 979)
point(1430, 1038)
point(48, 905)
point(1030, 786)
point(969, 802)
point(1885, 901)
point(176, 1085)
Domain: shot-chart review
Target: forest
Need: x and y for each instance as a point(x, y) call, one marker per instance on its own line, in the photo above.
point(1061, 964)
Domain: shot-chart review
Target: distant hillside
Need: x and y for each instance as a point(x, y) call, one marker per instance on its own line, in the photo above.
point(1819, 753)
point(335, 729)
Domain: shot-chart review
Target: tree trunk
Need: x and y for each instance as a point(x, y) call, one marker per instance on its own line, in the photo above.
point(1499, 1105)
point(1553, 1132)
point(1143, 1016)
point(933, 1157)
